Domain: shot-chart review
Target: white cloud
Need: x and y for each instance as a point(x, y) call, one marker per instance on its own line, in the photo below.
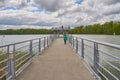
point(91, 11)
point(54, 5)
point(13, 3)
point(108, 2)
point(55, 12)
point(21, 17)
point(30, 8)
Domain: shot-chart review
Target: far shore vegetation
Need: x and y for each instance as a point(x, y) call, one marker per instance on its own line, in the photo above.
point(25, 31)
point(108, 28)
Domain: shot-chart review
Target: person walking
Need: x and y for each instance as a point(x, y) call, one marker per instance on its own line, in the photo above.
point(65, 38)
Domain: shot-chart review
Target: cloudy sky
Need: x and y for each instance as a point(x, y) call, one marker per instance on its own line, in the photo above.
point(50, 13)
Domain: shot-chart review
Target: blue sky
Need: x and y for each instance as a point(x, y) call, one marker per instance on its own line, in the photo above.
point(54, 13)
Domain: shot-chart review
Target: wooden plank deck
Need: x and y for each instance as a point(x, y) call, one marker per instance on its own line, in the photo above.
point(58, 62)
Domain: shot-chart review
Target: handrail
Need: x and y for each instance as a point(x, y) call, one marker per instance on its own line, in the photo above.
point(21, 42)
point(102, 43)
point(15, 58)
point(101, 66)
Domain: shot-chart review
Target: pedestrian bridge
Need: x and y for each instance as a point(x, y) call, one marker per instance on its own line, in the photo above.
point(57, 62)
point(48, 58)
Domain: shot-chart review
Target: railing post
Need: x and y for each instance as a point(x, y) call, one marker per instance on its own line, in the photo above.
point(8, 63)
point(76, 45)
point(96, 58)
point(70, 37)
point(73, 42)
point(47, 41)
point(31, 53)
point(13, 63)
point(50, 39)
point(39, 45)
point(44, 42)
point(82, 48)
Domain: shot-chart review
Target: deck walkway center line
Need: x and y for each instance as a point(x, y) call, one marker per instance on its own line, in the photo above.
point(57, 62)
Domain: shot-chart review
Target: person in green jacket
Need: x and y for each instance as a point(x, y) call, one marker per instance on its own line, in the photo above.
point(65, 38)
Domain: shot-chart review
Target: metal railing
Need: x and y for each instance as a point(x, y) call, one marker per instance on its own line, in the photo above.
point(103, 59)
point(14, 58)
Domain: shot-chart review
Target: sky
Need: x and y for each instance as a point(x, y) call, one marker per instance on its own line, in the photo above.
point(15, 14)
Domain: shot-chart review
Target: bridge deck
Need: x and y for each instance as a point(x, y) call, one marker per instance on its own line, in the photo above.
point(58, 62)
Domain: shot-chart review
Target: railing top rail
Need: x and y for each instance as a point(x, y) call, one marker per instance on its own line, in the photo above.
point(101, 42)
point(22, 42)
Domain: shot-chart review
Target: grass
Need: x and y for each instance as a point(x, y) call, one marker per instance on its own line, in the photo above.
point(3, 64)
point(24, 59)
point(112, 70)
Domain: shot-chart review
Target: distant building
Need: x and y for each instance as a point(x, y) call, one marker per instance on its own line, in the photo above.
point(60, 30)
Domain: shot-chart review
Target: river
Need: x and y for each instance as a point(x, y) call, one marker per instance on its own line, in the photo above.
point(112, 64)
point(114, 39)
point(8, 39)
point(89, 54)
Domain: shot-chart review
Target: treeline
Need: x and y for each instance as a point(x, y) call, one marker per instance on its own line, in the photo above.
point(26, 31)
point(109, 28)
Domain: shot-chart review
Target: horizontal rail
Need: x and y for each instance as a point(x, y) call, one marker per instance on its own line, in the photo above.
point(86, 45)
point(3, 68)
point(3, 75)
point(14, 57)
point(3, 61)
point(108, 72)
point(23, 51)
point(112, 65)
point(22, 47)
point(103, 74)
point(106, 53)
point(21, 42)
point(22, 57)
point(102, 43)
point(22, 62)
point(2, 54)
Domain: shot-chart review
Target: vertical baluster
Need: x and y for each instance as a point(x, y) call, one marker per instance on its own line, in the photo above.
point(47, 40)
point(8, 63)
point(70, 39)
point(82, 48)
point(13, 63)
point(30, 50)
point(76, 45)
point(96, 58)
point(44, 42)
point(39, 45)
point(73, 42)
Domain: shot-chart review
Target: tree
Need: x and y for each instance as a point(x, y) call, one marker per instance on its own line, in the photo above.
point(106, 28)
